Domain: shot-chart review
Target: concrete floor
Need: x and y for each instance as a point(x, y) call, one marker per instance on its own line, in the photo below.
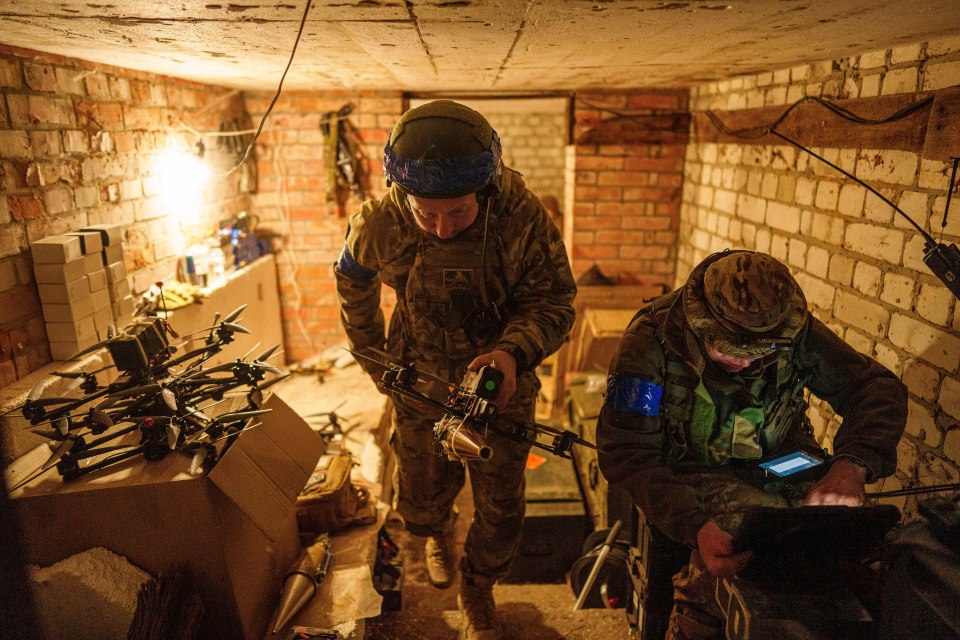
point(527, 611)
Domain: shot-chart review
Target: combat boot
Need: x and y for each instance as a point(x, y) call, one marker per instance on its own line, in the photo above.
point(438, 556)
point(479, 610)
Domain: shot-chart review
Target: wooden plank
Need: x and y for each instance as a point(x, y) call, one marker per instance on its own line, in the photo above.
point(671, 128)
point(943, 132)
point(813, 125)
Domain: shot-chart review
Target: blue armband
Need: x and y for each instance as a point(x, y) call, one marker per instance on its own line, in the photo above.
point(633, 395)
point(348, 266)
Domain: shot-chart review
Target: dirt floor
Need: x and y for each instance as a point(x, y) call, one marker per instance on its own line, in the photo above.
point(528, 611)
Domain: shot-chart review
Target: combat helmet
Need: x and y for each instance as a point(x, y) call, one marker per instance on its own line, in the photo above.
point(745, 304)
point(442, 149)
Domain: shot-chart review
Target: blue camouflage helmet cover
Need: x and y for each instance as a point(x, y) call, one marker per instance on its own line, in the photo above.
point(745, 304)
point(442, 149)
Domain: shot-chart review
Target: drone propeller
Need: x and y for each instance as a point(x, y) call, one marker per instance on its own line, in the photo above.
point(173, 434)
point(423, 372)
point(169, 398)
point(233, 315)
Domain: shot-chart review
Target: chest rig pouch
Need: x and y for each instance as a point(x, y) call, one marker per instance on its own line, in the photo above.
point(454, 309)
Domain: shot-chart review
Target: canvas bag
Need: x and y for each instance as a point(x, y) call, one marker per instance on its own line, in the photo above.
point(329, 501)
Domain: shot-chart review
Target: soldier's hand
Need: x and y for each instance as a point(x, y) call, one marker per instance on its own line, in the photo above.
point(507, 365)
point(716, 549)
point(842, 486)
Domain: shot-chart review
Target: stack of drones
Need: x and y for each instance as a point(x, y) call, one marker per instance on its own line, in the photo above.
point(169, 400)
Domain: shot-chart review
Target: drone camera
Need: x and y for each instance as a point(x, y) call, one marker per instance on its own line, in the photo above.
point(484, 383)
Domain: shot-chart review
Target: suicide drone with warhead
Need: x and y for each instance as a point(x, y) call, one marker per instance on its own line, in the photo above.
point(469, 412)
point(169, 400)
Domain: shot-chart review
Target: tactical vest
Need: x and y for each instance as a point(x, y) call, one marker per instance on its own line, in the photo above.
point(783, 401)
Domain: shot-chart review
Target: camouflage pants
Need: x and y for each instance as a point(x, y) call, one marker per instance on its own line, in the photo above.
point(696, 614)
point(428, 483)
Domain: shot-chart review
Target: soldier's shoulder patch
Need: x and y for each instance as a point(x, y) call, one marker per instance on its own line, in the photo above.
point(633, 395)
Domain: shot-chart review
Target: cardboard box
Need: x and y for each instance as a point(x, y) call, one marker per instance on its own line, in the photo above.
point(110, 234)
point(119, 290)
point(60, 350)
point(97, 280)
point(67, 293)
point(123, 311)
point(56, 250)
point(89, 241)
point(599, 338)
point(113, 253)
point(59, 273)
point(103, 320)
point(116, 272)
point(93, 261)
point(235, 528)
point(101, 299)
point(71, 312)
point(81, 331)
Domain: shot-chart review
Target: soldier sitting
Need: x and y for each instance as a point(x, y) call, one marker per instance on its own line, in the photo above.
point(709, 380)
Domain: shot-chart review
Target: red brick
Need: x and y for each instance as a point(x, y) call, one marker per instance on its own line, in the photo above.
point(98, 86)
point(642, 163)
point(11, 74)
point(40, 77)
point(25, 207)
point(647, 252)
point(623, 178)
point(18, 305)
point(97, 116)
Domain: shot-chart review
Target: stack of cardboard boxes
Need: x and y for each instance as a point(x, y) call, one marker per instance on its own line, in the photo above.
point(83, 287)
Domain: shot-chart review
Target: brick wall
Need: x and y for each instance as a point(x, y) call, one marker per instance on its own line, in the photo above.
point(623, 184)
point(79, 144)
point(293, 201)
point(859, 264)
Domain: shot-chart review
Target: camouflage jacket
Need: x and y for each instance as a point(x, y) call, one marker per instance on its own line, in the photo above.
point(503, 282)
point(644, 444)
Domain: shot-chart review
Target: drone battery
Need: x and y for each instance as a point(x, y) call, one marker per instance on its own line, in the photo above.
point(141, 343)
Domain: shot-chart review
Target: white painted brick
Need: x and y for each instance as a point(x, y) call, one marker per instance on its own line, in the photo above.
point(860, 313)
point(797, 253)
point(913, 254)
point(877, 242)
point(897, 167)
point(949, 399)
point(886, 356)
point(934, 175)
point(768, 187)
point(921, 425)
point(937, 347)
point(704, 196)
point(915, 205)
point(841, 269)
point(799, 73)
point(876, 209)
point(850, 200)
point(751, 208)
point(828, 228)
point(4, 211)
point(781, 76)
point(866, 279)
point(898, 290)
point(936, 216)
point(762, 241)
point(806, 222)
point(935, 469)
point(794, 93)
point(736, 230)
point(934, 303)
point(806, 188)
point(870, 85)
point(775, 96)
point(858, 341)
point(873, 59)
point(786, 187)
point(850, 88)
point(942, 46)
point(907, 53)
point(951, 445)
point(779, 245)
point(921, 378)
point(708, 153)
point(749, 235)
point(783, 217)
point(941, 75)
point(907, 456)
point(820, 69)
point(716, 177)
point(764, 79)
point(827, 194)
point(818, 261)
point(782, 157)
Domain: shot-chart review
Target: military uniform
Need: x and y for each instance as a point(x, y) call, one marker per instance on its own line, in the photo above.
point(503, 283)
point(675, 427)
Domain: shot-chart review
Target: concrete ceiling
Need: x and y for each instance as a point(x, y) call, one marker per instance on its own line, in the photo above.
point(468, 45)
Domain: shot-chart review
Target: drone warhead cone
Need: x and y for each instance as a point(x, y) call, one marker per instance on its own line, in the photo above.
point(460, 442)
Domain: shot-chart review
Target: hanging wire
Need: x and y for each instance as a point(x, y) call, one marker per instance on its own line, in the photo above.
point(303, 22)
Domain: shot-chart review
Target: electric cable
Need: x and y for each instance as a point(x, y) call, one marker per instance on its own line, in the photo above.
point(263, 120)
point(935, 488)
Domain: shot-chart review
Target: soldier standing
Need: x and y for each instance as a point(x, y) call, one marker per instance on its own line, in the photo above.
point(709, 380)
point(482, 277)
